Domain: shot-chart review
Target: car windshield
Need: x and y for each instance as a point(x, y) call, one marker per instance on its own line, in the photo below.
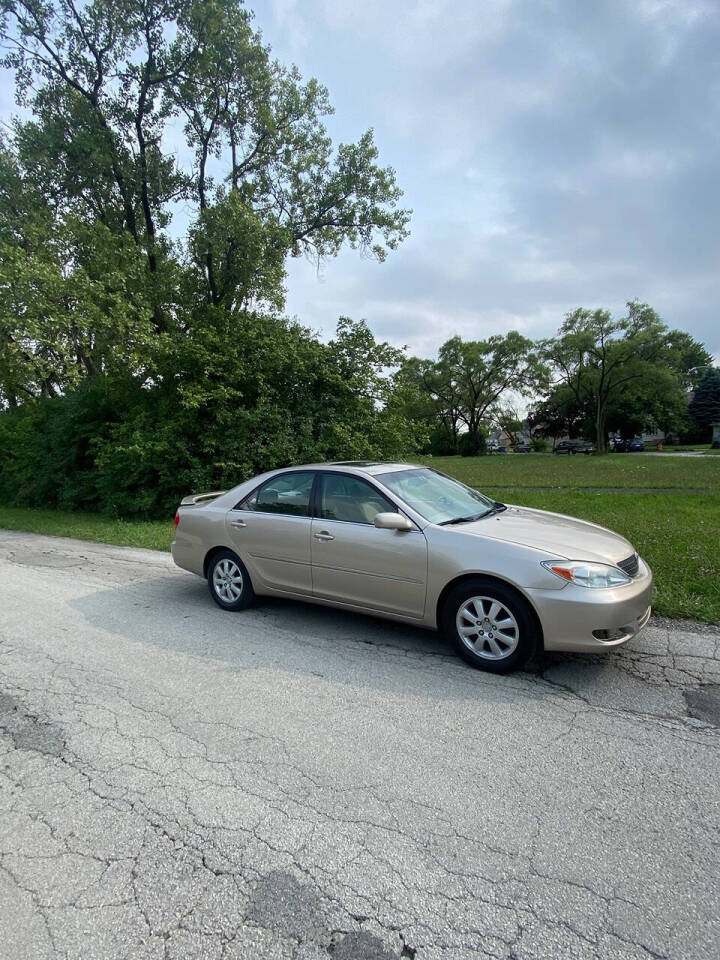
point(438, 498)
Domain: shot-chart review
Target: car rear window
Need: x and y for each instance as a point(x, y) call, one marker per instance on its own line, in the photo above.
point(287, 494)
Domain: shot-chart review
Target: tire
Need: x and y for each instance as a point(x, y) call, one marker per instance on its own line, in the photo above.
point(573, 452)
point(506, 648)
point(229, 582)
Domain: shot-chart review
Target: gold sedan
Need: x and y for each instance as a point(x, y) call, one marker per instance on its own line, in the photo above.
point(412, 544)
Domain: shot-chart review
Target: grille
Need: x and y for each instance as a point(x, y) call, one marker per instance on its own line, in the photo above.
point(630, 566)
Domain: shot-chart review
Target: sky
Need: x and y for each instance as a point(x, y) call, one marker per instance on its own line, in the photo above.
point(555, 154)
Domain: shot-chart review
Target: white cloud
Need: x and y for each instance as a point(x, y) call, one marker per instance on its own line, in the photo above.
point(289, 18)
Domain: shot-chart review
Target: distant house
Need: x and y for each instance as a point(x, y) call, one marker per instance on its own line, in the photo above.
point(505, 439)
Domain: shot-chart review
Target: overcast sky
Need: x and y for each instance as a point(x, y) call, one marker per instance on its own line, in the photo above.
point(555, 154)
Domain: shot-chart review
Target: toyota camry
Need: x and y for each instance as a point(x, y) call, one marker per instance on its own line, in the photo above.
point(412, 544)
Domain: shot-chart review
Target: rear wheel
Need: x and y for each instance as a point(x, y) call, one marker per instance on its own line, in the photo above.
point(229, 582)
point(490, 626)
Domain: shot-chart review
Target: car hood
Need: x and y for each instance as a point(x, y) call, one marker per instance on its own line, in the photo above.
point(555, 533)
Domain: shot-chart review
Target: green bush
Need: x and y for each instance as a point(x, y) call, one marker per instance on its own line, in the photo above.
point(539, 445)
point(441, 443)
point(472, 444)
point(272, 396)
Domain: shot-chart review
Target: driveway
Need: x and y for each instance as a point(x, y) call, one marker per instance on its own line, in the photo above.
point(291, 782)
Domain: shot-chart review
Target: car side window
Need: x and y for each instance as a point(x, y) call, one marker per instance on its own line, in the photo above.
point(351, 499)
point(287, 494)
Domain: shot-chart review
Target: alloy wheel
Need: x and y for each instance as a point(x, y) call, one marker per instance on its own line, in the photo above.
point(487, 628)
point(228, 580)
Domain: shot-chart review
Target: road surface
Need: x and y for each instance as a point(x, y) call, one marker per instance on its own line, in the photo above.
point(291, 782)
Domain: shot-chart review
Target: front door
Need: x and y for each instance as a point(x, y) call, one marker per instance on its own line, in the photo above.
point(270, 530)
point(355, 562)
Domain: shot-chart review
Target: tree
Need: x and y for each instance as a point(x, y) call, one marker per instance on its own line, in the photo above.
point(73, 300)
point(468, 379)
point(111, 88)
point(686, 357)
point(560, 414)
point(655, 402)
point(140, 357)
point(705, 403)
point(601, 362)
point(507, 420)
point(428, 395)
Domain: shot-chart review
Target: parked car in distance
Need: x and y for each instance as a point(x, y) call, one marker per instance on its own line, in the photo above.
point(573, 447)
point(522, 447)
point(619, 445)
point(494, 446)
point(409, 543)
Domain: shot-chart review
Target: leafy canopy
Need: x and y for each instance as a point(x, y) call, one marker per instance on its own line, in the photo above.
point(458, 393)
point(149, 115)
point(605, 368)
point(147, 212)
point(705, 404)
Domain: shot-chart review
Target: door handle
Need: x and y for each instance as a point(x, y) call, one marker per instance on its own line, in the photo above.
point(238, 523)
point(324, 535)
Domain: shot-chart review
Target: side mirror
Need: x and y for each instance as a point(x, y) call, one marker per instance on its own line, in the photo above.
point(392, 521)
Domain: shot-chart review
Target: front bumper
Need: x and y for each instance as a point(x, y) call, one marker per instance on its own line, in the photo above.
point(575, 617)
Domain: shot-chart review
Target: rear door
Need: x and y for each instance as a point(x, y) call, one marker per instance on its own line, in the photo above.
point(355, 562)
point(271, 530)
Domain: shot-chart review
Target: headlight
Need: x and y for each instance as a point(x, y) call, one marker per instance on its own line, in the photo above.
point(594, 575)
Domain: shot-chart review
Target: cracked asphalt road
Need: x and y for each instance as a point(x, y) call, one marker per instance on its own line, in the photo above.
point(291, 782)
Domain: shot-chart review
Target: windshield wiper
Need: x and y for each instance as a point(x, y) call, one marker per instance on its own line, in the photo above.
point(477, 516)
point(497, 508)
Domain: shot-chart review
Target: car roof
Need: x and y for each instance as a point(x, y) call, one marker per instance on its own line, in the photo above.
point(370, 467)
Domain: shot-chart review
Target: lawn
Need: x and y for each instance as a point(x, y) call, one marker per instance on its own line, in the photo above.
point(669, 508)
point(155, 535)
point(696, 447)
point(638, 471)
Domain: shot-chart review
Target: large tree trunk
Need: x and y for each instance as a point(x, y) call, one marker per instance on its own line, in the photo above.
point(600, 431)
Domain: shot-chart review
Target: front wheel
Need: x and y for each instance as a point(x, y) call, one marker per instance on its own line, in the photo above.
point(489, 625)
point(229, 582)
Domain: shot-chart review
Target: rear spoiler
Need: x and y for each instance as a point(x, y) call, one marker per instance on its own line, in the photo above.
point(197, 498)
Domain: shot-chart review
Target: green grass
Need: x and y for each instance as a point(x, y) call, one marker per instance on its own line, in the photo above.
point(155, 535)
point(695, 447)
point(668, 508)
point(532, 470)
